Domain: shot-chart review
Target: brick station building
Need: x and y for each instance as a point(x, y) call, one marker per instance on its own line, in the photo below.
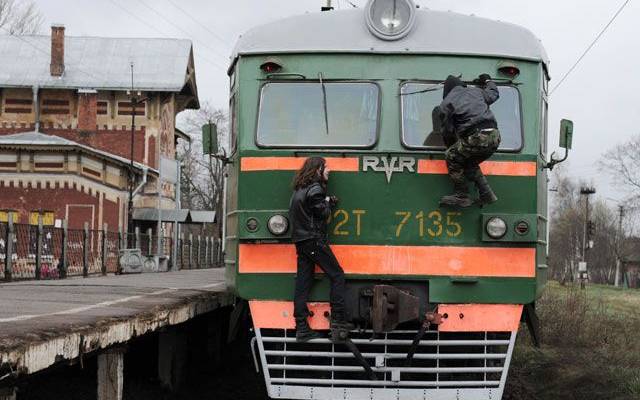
point(65, 124)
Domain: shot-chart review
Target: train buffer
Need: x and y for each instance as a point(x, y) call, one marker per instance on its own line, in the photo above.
point(43, 323)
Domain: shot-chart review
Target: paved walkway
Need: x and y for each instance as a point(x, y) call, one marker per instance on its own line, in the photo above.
point(44, 322)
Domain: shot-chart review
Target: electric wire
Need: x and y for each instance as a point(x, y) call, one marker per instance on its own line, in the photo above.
point(213, 63)
point(591, 45)
point(176, 26)
point(222, 40)
point(23, 38)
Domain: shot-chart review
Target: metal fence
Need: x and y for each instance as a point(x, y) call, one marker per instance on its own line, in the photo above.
point(45, 252)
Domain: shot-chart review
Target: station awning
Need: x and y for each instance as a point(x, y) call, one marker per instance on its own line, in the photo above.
point(183, 216)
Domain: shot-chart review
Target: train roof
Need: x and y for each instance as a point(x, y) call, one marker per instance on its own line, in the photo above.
point(435, 32)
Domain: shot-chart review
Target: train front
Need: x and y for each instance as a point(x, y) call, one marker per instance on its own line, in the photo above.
point(437, 293)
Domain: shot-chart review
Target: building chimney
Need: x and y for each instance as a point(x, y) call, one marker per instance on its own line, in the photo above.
point(57, 50)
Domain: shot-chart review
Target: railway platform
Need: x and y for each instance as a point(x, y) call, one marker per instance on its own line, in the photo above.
point(48, 322)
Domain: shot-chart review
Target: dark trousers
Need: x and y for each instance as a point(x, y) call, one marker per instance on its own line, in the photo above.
point(311, 253)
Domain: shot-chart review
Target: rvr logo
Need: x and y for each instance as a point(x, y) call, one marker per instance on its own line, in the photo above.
point(388, 165)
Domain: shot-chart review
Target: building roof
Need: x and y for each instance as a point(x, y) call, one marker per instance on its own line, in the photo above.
point(96, 63)
point(42, 140)
point(435, 32)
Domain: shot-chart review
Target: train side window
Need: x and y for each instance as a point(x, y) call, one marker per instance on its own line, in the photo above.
point(233, 122)
point(544, 120)
point(419, 99)
point(317, 114)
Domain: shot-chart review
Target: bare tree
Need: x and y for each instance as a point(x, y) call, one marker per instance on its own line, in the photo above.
point(19, 18)
point(202, 176)
point(622, 162)
point(566, 236)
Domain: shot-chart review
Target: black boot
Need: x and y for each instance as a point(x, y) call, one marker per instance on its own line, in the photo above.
point(340, 329)
point(485, 194)
point(304, 333)
point(460, 197)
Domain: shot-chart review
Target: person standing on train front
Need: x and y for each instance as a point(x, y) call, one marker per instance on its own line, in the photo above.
point(466, 111)
point(309, 210)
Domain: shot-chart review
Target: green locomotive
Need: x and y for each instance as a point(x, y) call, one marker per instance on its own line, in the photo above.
point(357, 87)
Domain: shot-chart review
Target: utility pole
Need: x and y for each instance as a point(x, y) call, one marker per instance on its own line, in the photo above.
point(134, 101)
point(619, 245)
point(586, 191)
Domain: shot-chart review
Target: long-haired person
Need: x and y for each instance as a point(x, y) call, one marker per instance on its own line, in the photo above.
point(309, 210)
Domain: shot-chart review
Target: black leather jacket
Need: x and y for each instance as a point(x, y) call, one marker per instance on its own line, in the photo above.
point(466, 108)
point(308, 212)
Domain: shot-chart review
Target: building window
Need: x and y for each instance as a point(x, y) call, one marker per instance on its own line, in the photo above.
point(18, 106)
point(124, 108)
point(4, 216)
point(47, 217)
point(103, 107)
point(55, 107)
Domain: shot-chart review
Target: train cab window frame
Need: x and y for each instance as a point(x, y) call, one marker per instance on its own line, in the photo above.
point(365, 145)
point(233, 124)
point(438, 88)
point(544, 129)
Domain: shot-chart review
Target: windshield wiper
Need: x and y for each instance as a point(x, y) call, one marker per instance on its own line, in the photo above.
point(324, 103)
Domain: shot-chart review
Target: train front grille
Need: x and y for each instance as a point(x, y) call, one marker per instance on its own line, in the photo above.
point(446, 365)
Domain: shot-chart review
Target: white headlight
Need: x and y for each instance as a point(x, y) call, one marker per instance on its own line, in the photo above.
point(390, 19)
point(278, 224)
point(496, 227)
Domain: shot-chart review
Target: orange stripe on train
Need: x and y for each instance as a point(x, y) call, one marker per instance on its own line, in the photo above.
point(480, 317)
point(399, 260)
point(351, 164)
point(460, 317)
point(342, 164)
point(505, 168)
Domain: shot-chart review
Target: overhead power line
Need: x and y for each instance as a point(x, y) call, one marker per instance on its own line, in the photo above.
point(48, 53)
point(591, 45)
point(182, 10)
point(164, 34)
point(176, 26)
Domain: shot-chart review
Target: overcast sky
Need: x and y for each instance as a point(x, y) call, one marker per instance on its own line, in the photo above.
point(601, 96)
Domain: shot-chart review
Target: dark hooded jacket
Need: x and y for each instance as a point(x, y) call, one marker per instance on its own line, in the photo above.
point(308, 212)
point(467, 108)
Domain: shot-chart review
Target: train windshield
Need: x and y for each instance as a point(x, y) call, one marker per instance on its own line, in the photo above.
point(314, 114)
point(419, 99)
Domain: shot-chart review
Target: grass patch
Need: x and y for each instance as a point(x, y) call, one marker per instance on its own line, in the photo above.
point(590, 350)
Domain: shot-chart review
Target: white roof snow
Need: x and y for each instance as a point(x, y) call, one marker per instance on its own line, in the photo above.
point(435, 32)
point(96, 63)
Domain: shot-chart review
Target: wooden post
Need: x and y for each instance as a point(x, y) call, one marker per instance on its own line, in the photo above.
point(64, 263)
point(85, 250)
point(120, 241)
point(137, 234)
point(8, 260)
point(150, 241)
point(181, 250)
point(198, 259)
point(190, 250)
point(105, 228)
point(207, 249)
point(39, 232)
point(110, 374)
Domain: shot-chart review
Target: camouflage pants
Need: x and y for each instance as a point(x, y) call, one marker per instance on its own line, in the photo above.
point(465, 155)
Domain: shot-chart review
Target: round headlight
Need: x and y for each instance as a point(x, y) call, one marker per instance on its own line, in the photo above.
point(496, 227)
point(278, 224)
point(390, 19)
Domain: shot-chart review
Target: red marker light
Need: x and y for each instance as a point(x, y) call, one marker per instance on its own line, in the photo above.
point(509, 70)
point(271, 66)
